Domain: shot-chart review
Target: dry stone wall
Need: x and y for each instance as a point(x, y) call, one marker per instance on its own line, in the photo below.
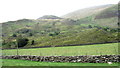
point(79, 59)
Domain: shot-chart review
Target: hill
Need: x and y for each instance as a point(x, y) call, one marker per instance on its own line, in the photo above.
point(108, 13)
point(106, 16)
point(52, 30)
point(49, 17)
point(82, 13)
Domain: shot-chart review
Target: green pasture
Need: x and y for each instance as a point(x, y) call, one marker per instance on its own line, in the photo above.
point(97, 49)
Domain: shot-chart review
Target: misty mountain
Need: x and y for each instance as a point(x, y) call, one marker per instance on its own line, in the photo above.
point(82, 13)
point(49, 17)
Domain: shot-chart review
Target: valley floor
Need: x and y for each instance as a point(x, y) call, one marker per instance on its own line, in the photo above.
point(96, 49)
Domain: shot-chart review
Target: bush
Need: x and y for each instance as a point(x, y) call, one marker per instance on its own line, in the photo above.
point(14, 35)
point(32, 42)
point(21, 42)
point(54, 33)
point(51, 34)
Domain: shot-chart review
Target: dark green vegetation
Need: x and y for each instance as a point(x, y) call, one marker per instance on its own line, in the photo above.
point(21, 42)
point(52, 30)
point(13, 62)
point(99, 49)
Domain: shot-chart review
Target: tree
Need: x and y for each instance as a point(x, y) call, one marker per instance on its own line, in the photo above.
point(54, 33)
point(14, 35)
point(21, 42)
point(32, 42)
point(51, 34)
point(118, 23)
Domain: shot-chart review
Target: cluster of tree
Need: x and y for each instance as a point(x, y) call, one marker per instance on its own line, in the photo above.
point(21, 42)
point(17, 42)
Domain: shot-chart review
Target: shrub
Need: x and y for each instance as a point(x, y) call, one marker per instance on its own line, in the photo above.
point(21, 42)
point(32, 42)
point(14, 35)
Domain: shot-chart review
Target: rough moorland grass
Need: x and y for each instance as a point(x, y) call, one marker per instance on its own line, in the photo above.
point(97, 49)
point(13, 62)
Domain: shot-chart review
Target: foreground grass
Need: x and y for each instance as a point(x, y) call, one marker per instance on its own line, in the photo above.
point(13, 62)
point(97, 49)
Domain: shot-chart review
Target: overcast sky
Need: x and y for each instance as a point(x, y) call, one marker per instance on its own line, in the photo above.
point(11, 10)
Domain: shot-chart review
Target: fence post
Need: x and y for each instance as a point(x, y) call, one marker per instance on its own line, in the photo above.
point(115, 51)
point(17, 49)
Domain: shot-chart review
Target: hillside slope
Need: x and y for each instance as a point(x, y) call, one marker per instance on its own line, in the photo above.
point(86, 12)
point(53, 30)
point(107, 17)
point(108, 13)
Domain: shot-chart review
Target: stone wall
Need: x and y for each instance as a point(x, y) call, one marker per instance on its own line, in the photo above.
point(81, 59)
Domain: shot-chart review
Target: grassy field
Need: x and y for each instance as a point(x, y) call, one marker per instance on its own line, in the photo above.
point(97, 49)
point(13, 62)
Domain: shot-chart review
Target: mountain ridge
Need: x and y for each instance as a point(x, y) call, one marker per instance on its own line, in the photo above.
point(81, 13)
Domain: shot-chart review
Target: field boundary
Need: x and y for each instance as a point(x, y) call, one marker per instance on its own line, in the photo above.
point(74, 59)
point(59, 45)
